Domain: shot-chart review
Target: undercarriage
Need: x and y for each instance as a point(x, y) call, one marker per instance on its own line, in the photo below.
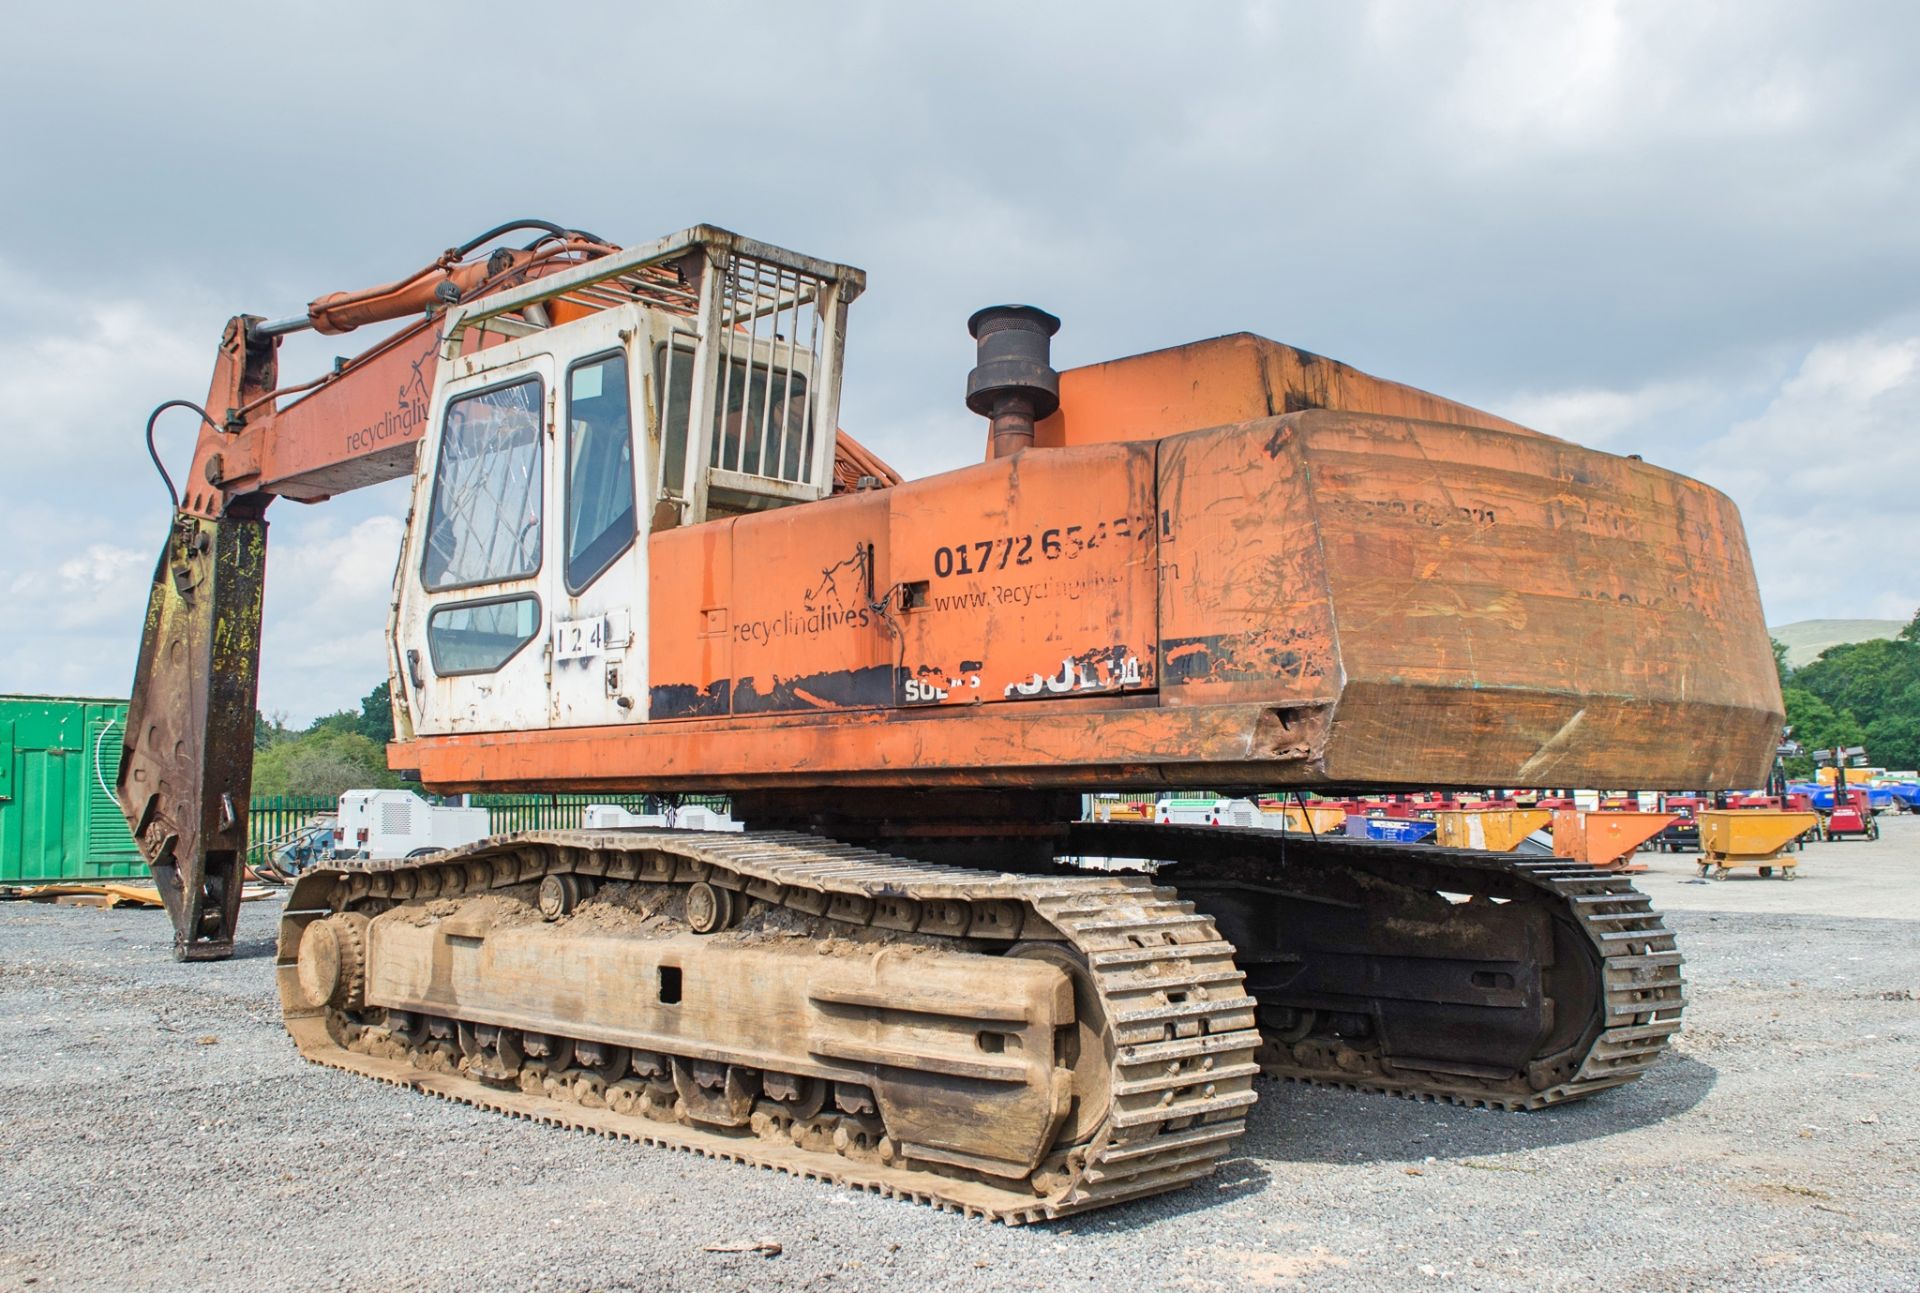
point(1016, 1047)
point(1017, 1041)
point(1491, 979)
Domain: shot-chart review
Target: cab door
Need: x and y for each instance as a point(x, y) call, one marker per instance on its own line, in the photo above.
point(596, 580)
point(472, 616)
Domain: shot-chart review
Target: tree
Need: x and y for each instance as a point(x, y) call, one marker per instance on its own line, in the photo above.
point(1893, 738)
point(1817, 726)
point(344, 750)
point(376, 714)
point(1780, 665)
point(1862, 693)
point(1861, 677)
point(322, 762)
point(268, 730)
point(341, 720)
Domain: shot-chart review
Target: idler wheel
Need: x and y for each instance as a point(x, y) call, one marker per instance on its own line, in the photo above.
point(709, 908)
point(1086, 1047)
point(1290, 1025)
point(332, 964)
point(560, 894)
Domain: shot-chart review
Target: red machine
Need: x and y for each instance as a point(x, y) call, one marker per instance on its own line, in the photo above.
point(1683, 834)
point(1850, 817)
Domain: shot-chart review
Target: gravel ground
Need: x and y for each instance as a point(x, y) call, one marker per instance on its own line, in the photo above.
point(158, 1131)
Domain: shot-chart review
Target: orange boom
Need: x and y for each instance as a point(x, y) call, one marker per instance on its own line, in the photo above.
point(641, 556)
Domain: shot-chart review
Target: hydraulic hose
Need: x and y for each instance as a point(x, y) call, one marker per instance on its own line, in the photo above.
point(172, 494)
point(552, 229)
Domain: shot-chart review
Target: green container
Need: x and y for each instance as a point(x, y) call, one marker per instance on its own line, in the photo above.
point(58, 818)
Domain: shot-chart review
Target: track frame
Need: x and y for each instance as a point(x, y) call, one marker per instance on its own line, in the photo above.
point(1174, 1022)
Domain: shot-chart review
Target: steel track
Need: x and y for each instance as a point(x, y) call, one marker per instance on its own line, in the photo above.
point(1636, 961)
point(1177, 1024)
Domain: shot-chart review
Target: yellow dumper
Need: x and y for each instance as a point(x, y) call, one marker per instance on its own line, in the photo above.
point(1731, 837)
point(1497, 830)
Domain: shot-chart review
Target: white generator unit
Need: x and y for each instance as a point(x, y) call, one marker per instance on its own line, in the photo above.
point(383, 824)
point(612, 817)
point(1212, 812)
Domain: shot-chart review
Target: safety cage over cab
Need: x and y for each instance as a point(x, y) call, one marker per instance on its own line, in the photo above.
point(742, 347)
point(693, 378)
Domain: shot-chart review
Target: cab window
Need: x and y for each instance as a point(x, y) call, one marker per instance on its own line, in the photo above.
point(479, 637)
point(484, 525)
point(600, 515)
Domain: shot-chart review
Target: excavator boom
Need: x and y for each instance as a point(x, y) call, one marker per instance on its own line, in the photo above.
point(187, 764)
point(186, 767)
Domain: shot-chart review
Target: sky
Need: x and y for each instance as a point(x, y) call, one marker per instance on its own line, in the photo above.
point(1686, 231)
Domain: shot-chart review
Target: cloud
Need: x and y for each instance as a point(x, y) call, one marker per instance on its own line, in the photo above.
point(1818, 453)
point(1520, 79)
point(94, 583)
point(1607, 419)
point(1825, 475)
point(72, 622)
point(78, 373)
point(82, 516)
point(66, 627)
point(329, 583)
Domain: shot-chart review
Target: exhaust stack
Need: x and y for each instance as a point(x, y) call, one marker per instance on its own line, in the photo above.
point(1013, 384)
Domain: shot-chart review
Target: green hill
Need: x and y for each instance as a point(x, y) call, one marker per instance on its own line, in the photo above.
point(1806, 639)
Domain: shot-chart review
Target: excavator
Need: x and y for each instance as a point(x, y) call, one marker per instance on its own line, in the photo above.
point(642, 556)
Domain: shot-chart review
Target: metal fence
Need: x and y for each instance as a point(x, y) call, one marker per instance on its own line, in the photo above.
point(507, 813)
point(273, 819)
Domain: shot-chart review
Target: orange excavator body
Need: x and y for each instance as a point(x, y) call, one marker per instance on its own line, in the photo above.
point(1226, 564)
point(641, 557)
point(1230, 563)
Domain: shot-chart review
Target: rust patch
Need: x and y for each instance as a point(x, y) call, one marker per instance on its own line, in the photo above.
point(1257, 656)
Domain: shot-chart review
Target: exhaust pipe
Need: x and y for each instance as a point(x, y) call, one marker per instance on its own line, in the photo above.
point(1013, 383)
